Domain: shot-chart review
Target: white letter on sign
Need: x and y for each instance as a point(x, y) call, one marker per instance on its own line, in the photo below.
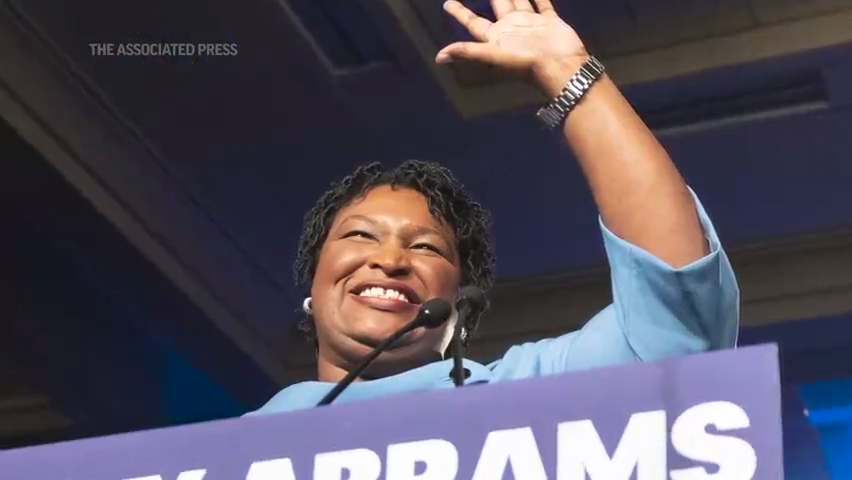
point(275, 469)
point(360, 464)
point(440, 457)
point(735, 457)
point(642, 448)
point(516, 448)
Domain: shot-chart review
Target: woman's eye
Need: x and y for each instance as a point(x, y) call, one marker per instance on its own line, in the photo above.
point(359, 233)
point(426, 246)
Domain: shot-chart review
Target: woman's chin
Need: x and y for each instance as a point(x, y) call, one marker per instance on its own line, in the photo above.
point(401, 359)
point(411, 351)
point(373, 337)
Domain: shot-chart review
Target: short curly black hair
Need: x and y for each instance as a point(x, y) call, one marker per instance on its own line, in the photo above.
point(447, 200)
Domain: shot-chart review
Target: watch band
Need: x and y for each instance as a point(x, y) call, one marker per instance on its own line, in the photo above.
point(554, 113)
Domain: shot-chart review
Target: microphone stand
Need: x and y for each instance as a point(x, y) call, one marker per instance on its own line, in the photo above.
point(458, 354)
point(469, 297)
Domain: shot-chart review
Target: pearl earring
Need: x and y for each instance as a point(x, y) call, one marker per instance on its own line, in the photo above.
point(306, 306)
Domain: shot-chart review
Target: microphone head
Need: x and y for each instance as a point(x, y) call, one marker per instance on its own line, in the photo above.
point(472, 296)
point(434, 313)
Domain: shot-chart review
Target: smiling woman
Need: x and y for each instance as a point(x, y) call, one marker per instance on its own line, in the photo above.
point(376, 247)
point(382, 241)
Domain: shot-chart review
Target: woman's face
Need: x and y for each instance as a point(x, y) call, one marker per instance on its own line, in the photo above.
point(384, 255)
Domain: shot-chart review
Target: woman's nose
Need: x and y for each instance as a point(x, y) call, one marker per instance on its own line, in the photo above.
point(392, 260)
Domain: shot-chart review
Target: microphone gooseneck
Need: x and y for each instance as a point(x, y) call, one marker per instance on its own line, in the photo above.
point(432, 314)
point(470, 298)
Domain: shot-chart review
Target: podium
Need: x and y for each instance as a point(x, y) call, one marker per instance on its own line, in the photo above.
point(716, 413)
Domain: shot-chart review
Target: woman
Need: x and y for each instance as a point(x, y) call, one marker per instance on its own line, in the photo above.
point(382, 241)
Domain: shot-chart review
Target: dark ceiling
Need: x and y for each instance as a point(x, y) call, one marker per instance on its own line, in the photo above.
point(254, 138)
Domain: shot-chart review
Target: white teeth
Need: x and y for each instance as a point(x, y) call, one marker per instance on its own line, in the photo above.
point(378, 292)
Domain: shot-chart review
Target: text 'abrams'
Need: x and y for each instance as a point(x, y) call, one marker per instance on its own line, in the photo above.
point(580, 454)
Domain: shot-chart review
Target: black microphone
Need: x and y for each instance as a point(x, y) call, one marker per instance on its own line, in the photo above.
point(432, 314)
point(470, 299)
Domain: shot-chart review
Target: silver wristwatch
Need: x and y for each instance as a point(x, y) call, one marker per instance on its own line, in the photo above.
point(554, 113)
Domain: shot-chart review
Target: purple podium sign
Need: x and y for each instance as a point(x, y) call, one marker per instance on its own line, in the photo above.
point(716, 415)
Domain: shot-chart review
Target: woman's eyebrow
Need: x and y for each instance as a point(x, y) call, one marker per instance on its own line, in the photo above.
point(363, 218)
